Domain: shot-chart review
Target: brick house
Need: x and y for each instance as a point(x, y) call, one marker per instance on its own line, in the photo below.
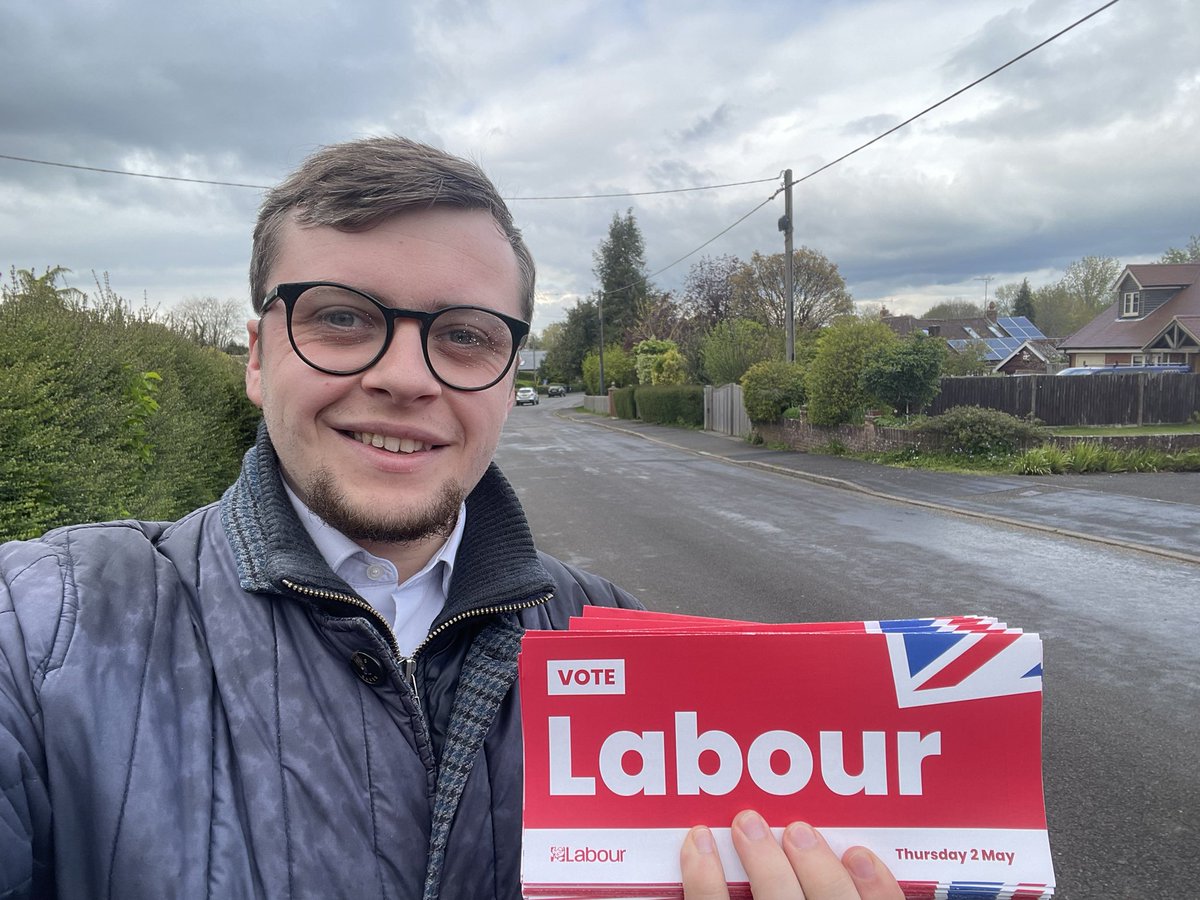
point(1154, 319)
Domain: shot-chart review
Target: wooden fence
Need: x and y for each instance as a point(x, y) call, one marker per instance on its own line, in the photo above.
point(724, 410)
point(1109, 399)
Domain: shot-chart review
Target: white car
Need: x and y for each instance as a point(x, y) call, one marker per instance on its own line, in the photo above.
point(527, 395)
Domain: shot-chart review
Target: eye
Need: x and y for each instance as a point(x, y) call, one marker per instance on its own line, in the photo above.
point(344, 317)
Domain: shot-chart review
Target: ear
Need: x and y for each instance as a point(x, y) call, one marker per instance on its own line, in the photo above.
point(254, 364)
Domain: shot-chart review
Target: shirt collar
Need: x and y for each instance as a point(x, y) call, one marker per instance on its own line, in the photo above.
point(337, 549)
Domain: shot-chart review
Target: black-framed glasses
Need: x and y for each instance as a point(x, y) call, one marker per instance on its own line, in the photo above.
point(340, 330)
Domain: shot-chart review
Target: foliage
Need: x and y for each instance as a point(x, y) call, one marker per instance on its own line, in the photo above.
point(625, 402)
point(819, 294)
point(957, 308)
point(771, 387)
point(578, 335)
point(1023, 304)
point(105, 413)
point(677, 404)
point(970, 360)
point(669, 368)
point(1086, 457)
point(619, 369)
point(906, 374)
point(1189, 254)
point(210, 322)
point(708, 291)
point(619, 265)
point(977, 432)
point(645, 353)
point(733, 347)
point(835, 393)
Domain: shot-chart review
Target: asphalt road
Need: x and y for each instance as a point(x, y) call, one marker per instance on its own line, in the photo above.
point(698, 534)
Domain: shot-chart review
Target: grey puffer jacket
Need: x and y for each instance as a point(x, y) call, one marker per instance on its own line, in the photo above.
point(202, 709)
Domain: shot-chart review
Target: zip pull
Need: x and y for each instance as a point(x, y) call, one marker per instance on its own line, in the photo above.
point(408, 668)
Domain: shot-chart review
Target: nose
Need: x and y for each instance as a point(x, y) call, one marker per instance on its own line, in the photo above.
point(402, 370)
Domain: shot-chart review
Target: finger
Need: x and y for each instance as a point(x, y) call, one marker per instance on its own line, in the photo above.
point(821, 873)
point(700, 865)
point(873, 879)
point(770, 872)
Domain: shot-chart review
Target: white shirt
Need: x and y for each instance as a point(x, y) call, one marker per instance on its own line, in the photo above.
point(409, 608)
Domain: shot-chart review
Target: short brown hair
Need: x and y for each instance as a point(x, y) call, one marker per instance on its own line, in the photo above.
point(358, 184)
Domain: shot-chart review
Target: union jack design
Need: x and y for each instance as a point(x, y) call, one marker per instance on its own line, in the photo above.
point(938, 661)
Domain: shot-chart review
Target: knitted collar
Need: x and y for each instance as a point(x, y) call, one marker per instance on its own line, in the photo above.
point(497, 562)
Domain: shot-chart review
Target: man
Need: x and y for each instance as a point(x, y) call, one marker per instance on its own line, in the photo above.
point(307, 689)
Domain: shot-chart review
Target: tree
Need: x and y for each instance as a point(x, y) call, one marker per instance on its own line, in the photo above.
point(819, 293)
point(579, 333)
point(1189, 254)
point(669, 368)
point(645, 353)
point(733, 347)
point(906, 374)
point(708, 291)
point(210, 322)
point(835, 393)
point(1089, 283)
point(620, 266)
point(619, 369)
point(958, 308)
point(970, 360)
point(1023, 303)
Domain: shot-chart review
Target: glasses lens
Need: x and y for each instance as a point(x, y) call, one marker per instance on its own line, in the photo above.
point(336, 329)
point(469, 348)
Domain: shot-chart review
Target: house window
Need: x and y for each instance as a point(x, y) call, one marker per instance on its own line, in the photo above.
point(971, 331)
point(1131, 303)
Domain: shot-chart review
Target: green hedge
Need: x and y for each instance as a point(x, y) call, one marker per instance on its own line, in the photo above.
point(624, 402)
point(106, 414)
point(671, 404)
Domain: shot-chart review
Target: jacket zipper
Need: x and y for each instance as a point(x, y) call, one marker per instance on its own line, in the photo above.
point(408, 664)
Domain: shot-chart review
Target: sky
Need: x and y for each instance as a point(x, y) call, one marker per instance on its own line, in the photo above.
point(1088, 147)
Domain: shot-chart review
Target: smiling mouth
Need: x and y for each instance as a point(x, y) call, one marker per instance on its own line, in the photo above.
point(393, 444)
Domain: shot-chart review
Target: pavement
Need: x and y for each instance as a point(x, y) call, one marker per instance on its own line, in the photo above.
point(1144, 512)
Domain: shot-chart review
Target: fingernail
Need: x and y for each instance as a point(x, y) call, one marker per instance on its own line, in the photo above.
point(703, 841)
point(752, 825)
point(801, 836)
point(860, 864)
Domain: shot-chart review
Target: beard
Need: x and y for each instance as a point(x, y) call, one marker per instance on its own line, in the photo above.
point(410, 526)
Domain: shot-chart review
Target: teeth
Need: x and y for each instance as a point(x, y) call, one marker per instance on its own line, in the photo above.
point(385, 442)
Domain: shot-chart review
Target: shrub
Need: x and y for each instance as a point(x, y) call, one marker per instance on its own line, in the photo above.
point(771, 387)
point(105, 413)
point(624, 403)
point(732, 347)
point(835, 394)
point(1045, 460)
point(619, 369)
point(975, 431)
point(673, 404)
point(905, 375)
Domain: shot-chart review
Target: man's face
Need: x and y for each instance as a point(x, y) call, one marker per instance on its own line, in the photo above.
point(324, 426)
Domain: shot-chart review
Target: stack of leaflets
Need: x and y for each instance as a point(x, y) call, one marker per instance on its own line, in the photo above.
point(920, 739)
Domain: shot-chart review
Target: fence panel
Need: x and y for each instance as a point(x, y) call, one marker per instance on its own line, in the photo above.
point(724, 411)
point(1109, 399)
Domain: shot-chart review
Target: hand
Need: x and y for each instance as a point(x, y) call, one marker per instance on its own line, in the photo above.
point(803, 868)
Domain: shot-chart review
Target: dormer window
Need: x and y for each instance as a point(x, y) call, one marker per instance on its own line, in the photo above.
point(1131, 303)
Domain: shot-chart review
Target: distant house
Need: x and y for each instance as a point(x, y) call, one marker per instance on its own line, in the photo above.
point(1033, 357)
point(1001, 336)
point(1154, 319)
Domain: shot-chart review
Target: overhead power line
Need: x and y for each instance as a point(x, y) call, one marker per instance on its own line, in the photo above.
point(60, 165)
point(961, 90)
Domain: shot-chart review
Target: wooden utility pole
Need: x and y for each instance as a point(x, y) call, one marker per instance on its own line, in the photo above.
point(785, 225)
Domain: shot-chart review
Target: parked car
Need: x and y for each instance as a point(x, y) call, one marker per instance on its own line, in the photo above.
point(556, 390)
point(527, 395)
